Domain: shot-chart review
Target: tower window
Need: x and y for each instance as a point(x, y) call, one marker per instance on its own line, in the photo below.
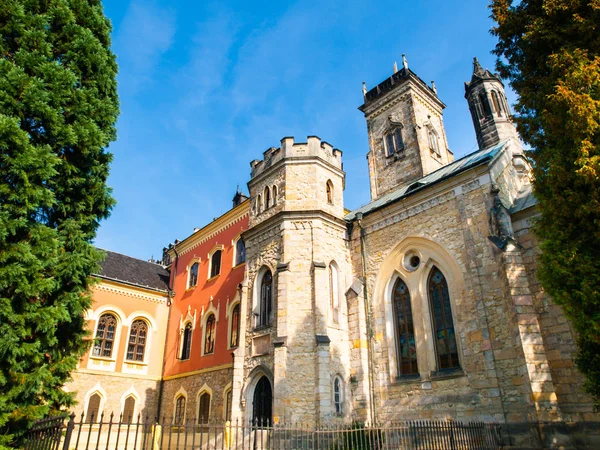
point(496, 103)
point(266, 300)
point(483, 99)
point(274, 195)
point(267, 198)
point(329, 191)
point(433, 141)
point(393, 141)
point(338, 397)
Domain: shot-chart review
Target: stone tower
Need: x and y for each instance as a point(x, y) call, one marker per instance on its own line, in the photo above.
point(296, 260)
point(406, 131)
point(489, 108)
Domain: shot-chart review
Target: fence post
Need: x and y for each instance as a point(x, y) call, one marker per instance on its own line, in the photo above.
point(69, 433)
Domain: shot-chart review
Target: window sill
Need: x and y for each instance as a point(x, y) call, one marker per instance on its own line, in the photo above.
point(446, 374)
point(191, 288)
point(208, 354)
point(239, 265)
point(262, 328)
point(103, 358)
point(135, 363)
point(213, 277)
point(408, 379)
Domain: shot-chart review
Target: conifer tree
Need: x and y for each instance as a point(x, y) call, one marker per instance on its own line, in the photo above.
point(550, 52)
point(58, 108)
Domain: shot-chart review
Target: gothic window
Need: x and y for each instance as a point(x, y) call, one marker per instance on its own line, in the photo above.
point(329, 191)
point(485, 104)
point(433, 140)
point(274, 195)
point(204, 408)
point(240, 252)
point(406, 348)
point(393, 141)
point(209, 335)
point(228, 398)
point(137, 341)
point(334, 295)
point(267, 198)
point(93, 409)
point(338, 397)
point(259, 204)
point(235, 327)
point(128, 409)
point(496, 103)
point(443, 325)
point(187, 342)
point(105, 336)
point(193, 275)
point(266, 299)
point(179, 415)
point(215, 264)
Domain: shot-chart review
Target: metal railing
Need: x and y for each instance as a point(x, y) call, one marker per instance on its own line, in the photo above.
point(107, 433)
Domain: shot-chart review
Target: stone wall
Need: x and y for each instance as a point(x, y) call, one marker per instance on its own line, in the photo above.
point(113, 390)
point(215, 382)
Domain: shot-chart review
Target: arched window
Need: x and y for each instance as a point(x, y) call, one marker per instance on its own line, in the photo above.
point(228, 399)
point(443, 325)
point(215, 264)
point(405, 334)
point(240, 252)
point(496, 103)
point(338, 396)
point(128, 409)
point(204, 408)
point(209, 335)
point(137, 340)
point(274, 195)
point(259, 204)
point(93, 409)
point(105, 335)
point(334, 294)
point(329, 190)
point(267, 197)
point(235, 327)
point(179, 415)
point(266, 299)
point(187, 342)
point(433, 140)
point(483, 99)
point(193, 276)
point(394, 143)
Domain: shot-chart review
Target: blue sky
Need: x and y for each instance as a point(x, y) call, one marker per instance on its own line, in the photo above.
point(206, 87)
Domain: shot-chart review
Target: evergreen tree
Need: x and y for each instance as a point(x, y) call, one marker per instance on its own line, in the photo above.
point(550, 52)
point(58, 108)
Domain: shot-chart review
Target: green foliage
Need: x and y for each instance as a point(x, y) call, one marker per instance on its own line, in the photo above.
point(551, 51)
point(58, 107)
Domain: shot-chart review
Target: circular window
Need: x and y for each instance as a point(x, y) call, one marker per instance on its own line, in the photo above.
point(412, 260)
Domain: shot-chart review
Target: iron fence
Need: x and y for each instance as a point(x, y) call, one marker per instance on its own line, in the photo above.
point(107, 433)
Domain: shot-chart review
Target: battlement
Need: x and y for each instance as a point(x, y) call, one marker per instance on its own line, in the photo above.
point(314, 147)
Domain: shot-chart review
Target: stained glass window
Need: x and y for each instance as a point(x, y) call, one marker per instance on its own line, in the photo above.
point(405, 333)
point(443, 325)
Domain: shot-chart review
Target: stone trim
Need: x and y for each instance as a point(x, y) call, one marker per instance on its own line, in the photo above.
point(196, 372)
point(131, 292)
point(282, 267)
point(322, 339)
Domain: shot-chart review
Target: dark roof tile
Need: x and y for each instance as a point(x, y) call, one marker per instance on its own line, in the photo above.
point(134, 271)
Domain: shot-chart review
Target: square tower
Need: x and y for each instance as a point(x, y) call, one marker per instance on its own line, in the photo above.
point(407, 139)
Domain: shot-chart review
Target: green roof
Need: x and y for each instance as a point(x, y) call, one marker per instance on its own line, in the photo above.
point(454, 168)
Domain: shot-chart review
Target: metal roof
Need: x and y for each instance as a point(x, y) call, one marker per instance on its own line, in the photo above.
point(460, 165)
point(525, 200)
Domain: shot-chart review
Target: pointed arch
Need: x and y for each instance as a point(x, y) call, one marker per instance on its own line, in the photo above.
point(267, 197)
point(329, 191)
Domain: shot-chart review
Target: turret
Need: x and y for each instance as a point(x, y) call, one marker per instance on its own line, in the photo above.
point(489, 108)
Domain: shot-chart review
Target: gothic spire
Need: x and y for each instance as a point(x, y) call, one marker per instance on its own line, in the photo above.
point(477, 69)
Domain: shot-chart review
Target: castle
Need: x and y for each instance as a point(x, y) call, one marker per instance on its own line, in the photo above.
point(422, 304)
